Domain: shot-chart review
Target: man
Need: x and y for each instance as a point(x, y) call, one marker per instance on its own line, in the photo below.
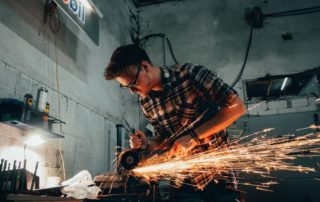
point(173, 97)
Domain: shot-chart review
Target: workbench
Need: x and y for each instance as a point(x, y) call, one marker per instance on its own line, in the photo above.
point(33, 198)
point(38, 198)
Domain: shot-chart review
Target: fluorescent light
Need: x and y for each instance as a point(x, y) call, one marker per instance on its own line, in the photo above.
point(284, 83)
point(34, 140)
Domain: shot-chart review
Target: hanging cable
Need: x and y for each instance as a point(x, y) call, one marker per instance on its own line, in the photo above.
point(144, 39)
point(171, 51)
point(294, 12)
point(55, 25)
point(59, 106)
point(245, 59)
point(308, 10)
point(255, 19)
point(51, 11)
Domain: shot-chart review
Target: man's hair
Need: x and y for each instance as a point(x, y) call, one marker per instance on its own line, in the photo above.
point(122, 58)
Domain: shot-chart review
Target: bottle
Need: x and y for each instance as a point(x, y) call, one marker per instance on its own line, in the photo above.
point(27, 108)
point(45, 116)
point(42, 99)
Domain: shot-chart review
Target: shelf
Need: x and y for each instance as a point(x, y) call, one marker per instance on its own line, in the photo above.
point(23, 126)
point(15, 113)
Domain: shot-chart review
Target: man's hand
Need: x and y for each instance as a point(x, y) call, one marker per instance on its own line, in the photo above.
point(182, 146)
point(138, 140)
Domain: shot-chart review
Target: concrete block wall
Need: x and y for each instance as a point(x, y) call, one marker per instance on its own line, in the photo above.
point(87, 143)
point(71, 67)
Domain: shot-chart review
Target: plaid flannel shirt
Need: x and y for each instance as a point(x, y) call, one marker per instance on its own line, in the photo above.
point(188, 90)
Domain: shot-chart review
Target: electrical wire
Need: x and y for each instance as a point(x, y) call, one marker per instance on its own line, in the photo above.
point(59, 104)
point(171, 51)
point(54, 23)
point(294, 12)
point(276, 14)
point(245, 59)
point(144, 39)
point(308, 10)
point(55, 26)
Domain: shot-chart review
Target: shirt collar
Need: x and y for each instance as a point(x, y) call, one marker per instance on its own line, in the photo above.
point(165, 78)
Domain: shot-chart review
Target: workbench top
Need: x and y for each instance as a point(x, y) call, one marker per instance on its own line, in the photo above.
point(31, 198)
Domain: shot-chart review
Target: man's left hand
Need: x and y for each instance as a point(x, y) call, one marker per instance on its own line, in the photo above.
point(182, 146)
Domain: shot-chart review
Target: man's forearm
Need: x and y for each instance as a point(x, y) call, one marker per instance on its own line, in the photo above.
point(224, 118)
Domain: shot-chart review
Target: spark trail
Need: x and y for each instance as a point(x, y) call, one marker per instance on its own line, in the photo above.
point(255, 153)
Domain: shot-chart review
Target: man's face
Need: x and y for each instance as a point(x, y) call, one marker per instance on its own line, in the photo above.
point(136, 80)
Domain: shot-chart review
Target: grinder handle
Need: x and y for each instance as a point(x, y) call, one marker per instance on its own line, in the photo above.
point(142, 138)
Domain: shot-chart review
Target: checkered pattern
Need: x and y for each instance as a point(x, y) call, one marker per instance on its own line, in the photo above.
point(188, 91)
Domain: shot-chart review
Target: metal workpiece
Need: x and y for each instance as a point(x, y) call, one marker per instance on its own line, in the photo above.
point(34, 176)
point(1, 164)
point(1, 172)
point(14, 177)
point(125, 186)
point(22, 177)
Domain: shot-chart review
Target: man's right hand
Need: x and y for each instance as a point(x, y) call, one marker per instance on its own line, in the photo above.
point(138, 140)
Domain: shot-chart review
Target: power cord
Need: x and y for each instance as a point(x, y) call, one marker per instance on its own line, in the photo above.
point(245, 59)
point(59, 106)
point(55, 25)
point(255, 20)
point(143, 40)
point(50, 10)
point(308, 10)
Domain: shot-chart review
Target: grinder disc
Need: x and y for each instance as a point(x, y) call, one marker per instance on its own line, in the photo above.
point(130, 159)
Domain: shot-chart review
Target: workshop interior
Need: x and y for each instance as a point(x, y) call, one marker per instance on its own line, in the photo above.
point(65, 130)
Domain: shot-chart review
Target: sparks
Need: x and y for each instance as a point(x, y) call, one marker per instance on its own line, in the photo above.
point(310, 127)
point(255, 153)
point(255, 106)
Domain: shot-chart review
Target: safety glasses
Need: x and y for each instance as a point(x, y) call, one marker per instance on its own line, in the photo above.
point(133, 84)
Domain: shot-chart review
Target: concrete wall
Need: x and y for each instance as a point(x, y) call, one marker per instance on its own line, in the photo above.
point(71, 67)
point(215, 34)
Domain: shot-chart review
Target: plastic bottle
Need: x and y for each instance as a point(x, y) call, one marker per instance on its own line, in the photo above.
point(27, 108)
point(45, 116)
point(42, 99)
